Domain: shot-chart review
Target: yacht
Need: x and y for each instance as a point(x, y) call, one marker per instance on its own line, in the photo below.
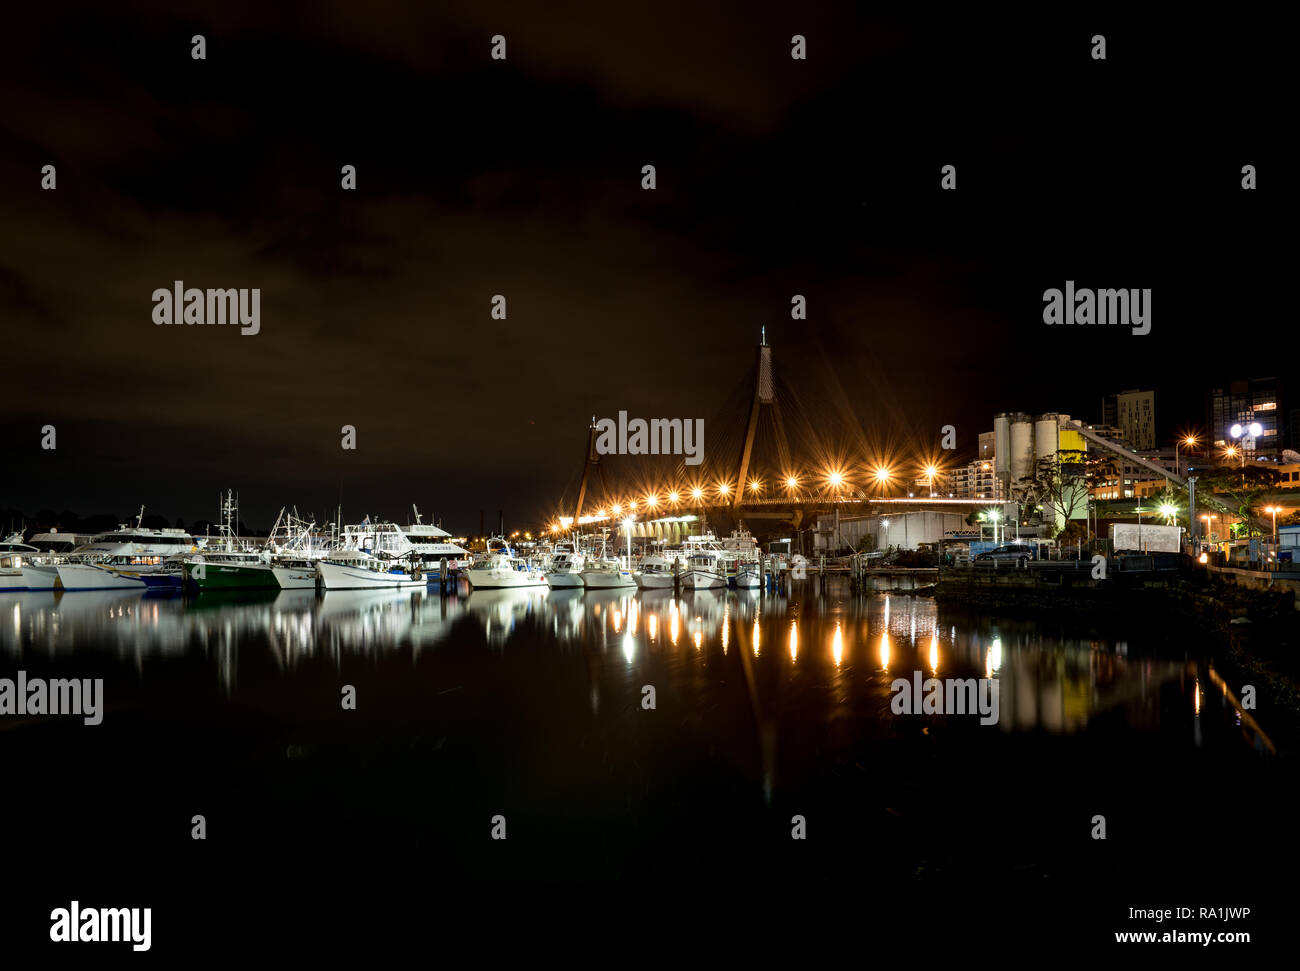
point(502, 570)
point(113, 560)
point(49, 547)
point(13, 553)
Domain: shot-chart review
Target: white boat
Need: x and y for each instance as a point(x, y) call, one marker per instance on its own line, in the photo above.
point(565, 571)
point(606, 574)
point(112, 560)
point(359, 570)
point(501, 571)
point(657, 571)
point(13, 554)
point(295, 572)
point(703, 571)
point(750, 577)
point(429, 544)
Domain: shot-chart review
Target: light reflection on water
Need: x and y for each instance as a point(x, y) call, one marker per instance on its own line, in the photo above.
point(849, 649)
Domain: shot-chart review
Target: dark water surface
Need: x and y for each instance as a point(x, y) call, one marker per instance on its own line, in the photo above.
point(529, 705)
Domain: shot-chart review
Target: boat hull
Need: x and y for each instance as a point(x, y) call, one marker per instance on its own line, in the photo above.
point(608, 581)
point(230, 576)
point(748, 581)
point(700, 580)
point(654, 581)
point(339, 576)
point(564, 581)
point(40, 577)
point(496, 579)
point(295, 578)
point(86, 576)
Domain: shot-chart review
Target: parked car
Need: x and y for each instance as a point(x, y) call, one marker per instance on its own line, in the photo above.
point(1018, 553)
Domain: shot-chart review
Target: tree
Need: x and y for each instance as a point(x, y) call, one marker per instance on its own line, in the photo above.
point(1059, 481)
point(1243, 487)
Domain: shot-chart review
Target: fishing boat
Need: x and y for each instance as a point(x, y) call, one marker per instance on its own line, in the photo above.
point(565, 570)
point(295, 572)
point(703, 571)
point(502, 571)
point(657, 571)
point(360, 570)
point(230, 570)
point(229, 564)
point(296, 548)
point(606, 574)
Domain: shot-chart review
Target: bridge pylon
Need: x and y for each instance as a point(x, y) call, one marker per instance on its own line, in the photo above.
point(764, 397)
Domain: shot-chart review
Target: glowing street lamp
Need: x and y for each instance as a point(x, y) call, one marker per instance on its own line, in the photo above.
point(791, 483)
point(931, 471)
point(697, 493)
point(1247, 435)
point(1189, 441)
point(1207, 517)
point(1274, 510)
point(724, 488)
point(755, 486)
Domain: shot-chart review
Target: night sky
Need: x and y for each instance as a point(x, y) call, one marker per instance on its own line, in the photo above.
point(522, 177)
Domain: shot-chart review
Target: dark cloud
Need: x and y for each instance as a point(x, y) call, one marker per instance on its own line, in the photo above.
point(522, 178)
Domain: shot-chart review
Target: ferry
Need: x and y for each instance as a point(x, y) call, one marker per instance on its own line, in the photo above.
point(429, 545)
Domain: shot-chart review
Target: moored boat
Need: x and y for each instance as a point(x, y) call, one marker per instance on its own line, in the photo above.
point(501, 571)
point(359, 570)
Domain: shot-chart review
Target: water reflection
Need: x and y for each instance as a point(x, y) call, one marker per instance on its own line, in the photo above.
point(846, 651)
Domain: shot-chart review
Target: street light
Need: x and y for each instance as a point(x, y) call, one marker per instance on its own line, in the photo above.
point(1247, 434)
point(1207, 517)
point(1189, 441)
point(1274, 510)
point(930, 472)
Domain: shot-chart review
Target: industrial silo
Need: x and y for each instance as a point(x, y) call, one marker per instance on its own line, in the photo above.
point(1045, 435)
point(1002, 447)
point(1022, 446)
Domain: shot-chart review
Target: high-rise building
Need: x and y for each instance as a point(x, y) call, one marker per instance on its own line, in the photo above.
point(1134, 413)
point(1241, 404)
